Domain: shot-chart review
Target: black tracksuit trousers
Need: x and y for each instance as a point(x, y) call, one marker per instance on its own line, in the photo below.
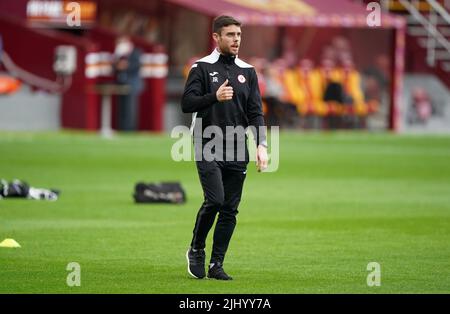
point(222, 184)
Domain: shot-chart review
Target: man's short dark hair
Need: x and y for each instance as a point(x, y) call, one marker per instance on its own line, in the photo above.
point(223, 21)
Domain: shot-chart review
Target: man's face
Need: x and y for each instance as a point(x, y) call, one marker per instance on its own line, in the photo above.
point(229, 40)
point(124, 46)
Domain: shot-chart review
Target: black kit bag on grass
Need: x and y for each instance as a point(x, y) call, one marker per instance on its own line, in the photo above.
point(165, 192)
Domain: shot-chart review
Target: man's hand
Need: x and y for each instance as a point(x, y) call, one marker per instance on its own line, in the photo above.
point(261, 158)
point(224, 92)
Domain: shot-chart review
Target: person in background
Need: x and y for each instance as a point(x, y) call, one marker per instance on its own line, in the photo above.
point(331, 91)
point(259, 65)
point(421, 106)
point(310, 85)
point(294, 94)
point(127, 66)
point(280, 111)
point(355, 107)
point(377, 82)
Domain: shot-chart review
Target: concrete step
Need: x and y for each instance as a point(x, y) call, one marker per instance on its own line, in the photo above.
point(421, 31)
point(411, 20)
point(423, 42)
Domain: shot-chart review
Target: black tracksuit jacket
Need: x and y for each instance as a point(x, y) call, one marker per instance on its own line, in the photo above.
point(205, 78)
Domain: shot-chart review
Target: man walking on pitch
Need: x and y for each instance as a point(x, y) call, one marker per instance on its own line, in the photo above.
point(222, 92)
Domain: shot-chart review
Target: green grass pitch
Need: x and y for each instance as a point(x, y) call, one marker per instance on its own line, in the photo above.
point(338, 201)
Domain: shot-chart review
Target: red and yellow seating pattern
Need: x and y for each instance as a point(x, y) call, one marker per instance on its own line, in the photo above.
point(306, 90)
